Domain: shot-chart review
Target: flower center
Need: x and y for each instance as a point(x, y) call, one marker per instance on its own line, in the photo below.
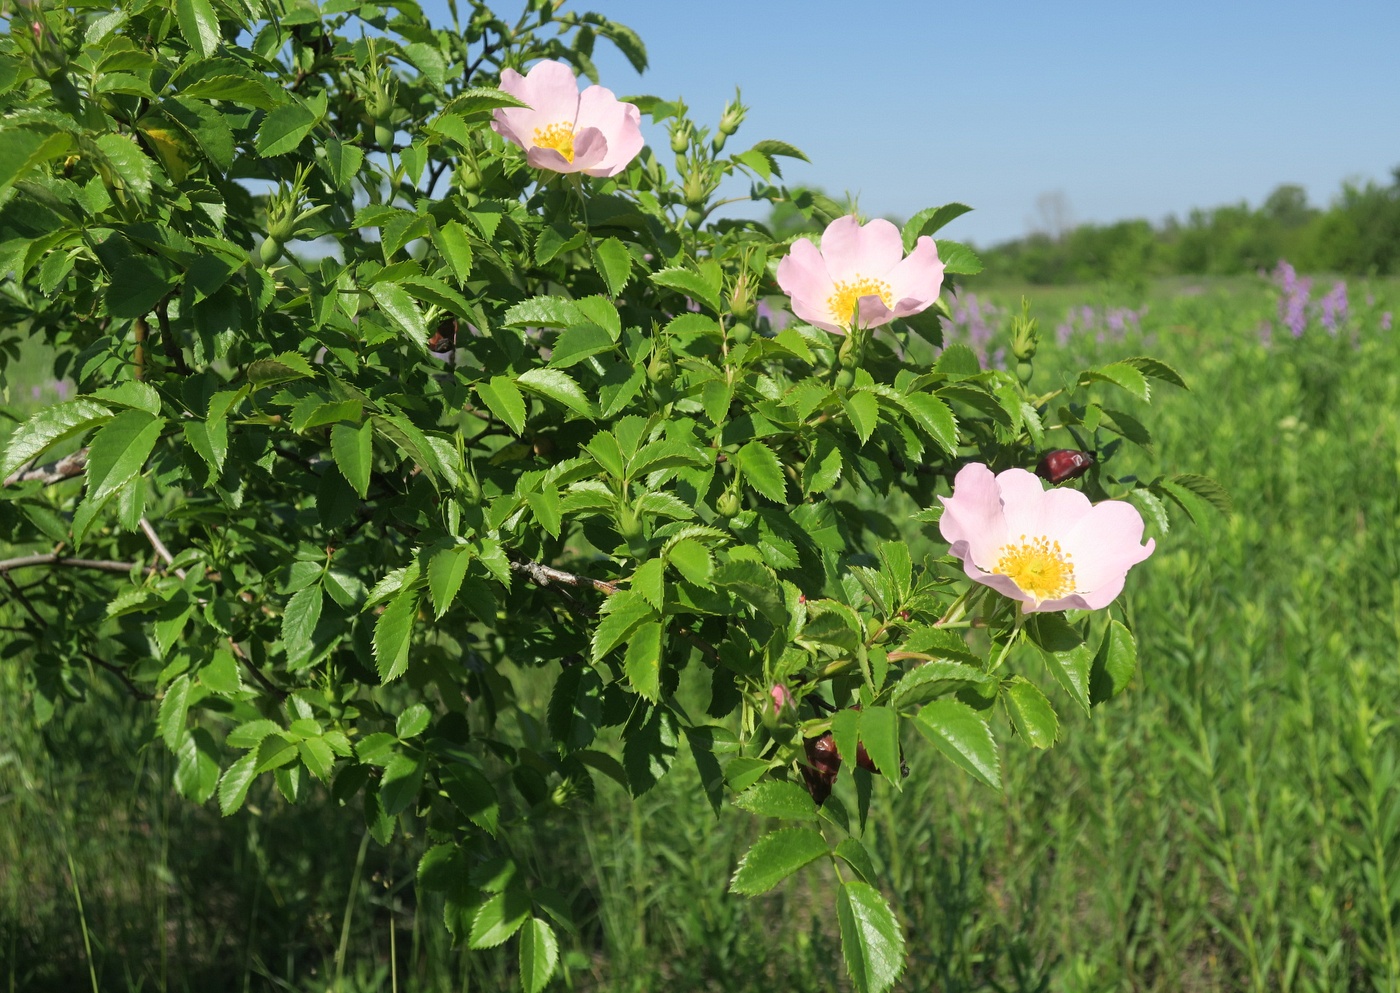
point(1038, 567)
point(843, 299)
point(559, 137)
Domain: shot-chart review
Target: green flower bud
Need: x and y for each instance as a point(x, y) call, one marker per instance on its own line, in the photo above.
point(845, 379)
point(384, 137)
point(717, 142)
point(269, 251)
point(728, 504)
point(694, 217)
point(740, 333)
point(1024, 369)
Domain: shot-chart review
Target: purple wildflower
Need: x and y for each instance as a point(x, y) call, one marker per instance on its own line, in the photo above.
point(1293, 304)
point(1385, 321)
point(1334, 308)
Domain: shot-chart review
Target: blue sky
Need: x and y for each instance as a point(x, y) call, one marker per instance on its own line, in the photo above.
point(1123, 109)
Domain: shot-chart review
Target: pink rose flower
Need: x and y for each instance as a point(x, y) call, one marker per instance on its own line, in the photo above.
point(1050, 549)
point(564, 130)
point(781, 697)
point(859, 272)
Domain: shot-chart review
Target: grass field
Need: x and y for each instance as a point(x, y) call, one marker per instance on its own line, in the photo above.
point(1231, 823)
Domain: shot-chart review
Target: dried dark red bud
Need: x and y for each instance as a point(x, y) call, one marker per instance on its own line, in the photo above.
point(445, 338)
point(823, 763)
point(904, 615)
point(863, 759)
point(1063, 464)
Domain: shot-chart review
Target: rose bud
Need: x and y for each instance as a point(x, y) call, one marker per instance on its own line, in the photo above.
point(1063, 464)
point(823, 763)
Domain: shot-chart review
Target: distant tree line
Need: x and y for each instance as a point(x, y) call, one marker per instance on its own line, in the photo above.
point(1358, 234)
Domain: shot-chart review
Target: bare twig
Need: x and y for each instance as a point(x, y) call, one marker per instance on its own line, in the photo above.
point(159, 546)
point(543, 576)
point(105, 565)
point(55, 472)
point(267, 684)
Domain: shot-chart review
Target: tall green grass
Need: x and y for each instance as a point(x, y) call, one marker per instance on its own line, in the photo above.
point(1231, 823)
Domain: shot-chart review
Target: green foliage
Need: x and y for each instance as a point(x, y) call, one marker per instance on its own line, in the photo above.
point(1357, 234)
point(384, 431)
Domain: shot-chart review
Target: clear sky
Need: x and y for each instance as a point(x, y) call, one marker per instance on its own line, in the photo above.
point(1123, 109)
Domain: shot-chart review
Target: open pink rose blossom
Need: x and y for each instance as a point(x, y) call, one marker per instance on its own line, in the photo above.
point(564, 130)
point(1050, 549)
point(859, 266)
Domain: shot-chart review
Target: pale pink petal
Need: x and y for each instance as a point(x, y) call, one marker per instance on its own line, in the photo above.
point(803, 277)
point(916, 281)
point(548, 158)
point(873, 312)
point(1033, 511)
point(590, 151)
point(620, 123)
point(1099, 598)
point(1004, 585)
point(853, 250)
point(973, 518)
point(551, 90)
point(1105, 543)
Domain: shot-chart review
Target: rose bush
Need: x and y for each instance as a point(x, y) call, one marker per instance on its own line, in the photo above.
point(381, 425)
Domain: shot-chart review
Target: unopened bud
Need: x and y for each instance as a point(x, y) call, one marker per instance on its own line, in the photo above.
point(1024, 336)
point(823, 763)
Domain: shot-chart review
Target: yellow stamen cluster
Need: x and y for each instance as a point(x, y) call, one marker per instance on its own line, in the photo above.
point(1039, 567)
point(559, 137)
point(843, 300)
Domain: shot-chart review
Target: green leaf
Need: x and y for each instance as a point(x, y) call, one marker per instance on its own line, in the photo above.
point(119, 451)
point(1206, 488)
point(173, 707)
point(1115, 664)
point(22, 150)
point(934, 418)
point(871, 940)
point(879, 732)
point(284, 129)
point(958, 259)
point(197, 773)
point(299, 620)
point(138, 283)
point(692, 284)
point(643, 660)
point(559, 387)
point(455, 245)
point(776, 856)
point(1031, 712)
point(1120, 374)
point(1066, 655)
point(577, 343)
point(412, 721)
point(693, 561)
point(392, 634)
point(539, 952)
point(614, 264)
point(864, 411)
point(762, 470)
point(403, 310)
point(623, 613)
point(504, 399)
point(283, 368)
point(499, 918)
point(401, 783)
point(445, 572)
point(962, 737)
point(929, 220)
point(49, 426)
point(198, 25)
point(132, 393)
point(353, 451)
point(855, 854)
point(776, 798)
point(233, 787)
point(1156, 369)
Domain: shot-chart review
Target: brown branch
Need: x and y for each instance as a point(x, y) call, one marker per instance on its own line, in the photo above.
point(117, 671)
point(55, 472)
point(543, 576)
point(104, 565)
point(168, 344)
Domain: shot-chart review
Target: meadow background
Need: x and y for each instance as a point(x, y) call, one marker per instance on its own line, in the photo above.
point(1231, 823)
